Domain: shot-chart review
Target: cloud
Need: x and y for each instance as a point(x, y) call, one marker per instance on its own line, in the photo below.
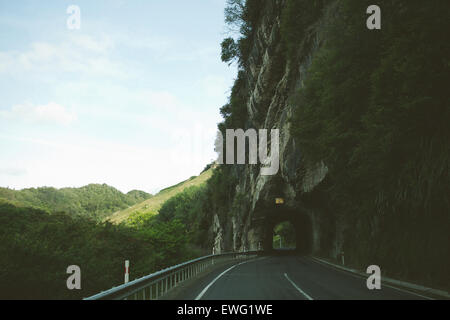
point(13, 172)
point(159, 100)
point(49, 113)
point(215, 86)
point(81, 54)
point(76, 161)
point(101, 45)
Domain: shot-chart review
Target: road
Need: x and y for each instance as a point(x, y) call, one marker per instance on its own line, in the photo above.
point(286, 277)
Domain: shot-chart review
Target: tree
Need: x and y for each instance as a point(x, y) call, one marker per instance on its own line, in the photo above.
point(230, 50)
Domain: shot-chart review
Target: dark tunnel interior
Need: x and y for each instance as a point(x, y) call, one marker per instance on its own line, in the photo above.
point(301, 223)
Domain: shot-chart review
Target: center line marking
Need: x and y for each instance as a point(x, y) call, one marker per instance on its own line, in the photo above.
point(298, 289)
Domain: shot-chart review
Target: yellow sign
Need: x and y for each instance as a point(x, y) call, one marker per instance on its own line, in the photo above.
point(279, 200)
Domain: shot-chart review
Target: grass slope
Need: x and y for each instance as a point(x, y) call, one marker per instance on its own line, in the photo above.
point(153, 204)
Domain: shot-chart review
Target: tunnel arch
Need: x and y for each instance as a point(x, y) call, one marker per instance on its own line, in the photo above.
point(299, 219)
point(268, 211)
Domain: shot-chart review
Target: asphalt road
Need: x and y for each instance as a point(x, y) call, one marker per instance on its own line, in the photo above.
point(286, 278)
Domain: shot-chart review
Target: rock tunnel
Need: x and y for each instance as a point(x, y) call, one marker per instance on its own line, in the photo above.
point(276, 214)
point(267, 213)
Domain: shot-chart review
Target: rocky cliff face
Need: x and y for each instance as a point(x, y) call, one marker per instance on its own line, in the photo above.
point(272, 82)
point(370, 106)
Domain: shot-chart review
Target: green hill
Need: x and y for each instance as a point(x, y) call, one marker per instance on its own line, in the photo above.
point(152, 205)
point(94, 200)
point(37, 246)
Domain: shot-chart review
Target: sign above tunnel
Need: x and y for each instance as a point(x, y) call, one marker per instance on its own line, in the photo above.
point(279, 200)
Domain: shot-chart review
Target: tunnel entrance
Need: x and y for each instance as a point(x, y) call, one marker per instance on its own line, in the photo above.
point(294, 224)
point(284, 237)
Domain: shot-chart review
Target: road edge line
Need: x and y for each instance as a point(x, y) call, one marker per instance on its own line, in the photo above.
point(360, 274)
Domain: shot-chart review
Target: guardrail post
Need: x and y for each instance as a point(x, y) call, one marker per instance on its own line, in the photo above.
point(127, 269)
point(167, 284)
point(163, 286)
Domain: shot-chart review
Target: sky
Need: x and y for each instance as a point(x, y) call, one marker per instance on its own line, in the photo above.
point(130, 99)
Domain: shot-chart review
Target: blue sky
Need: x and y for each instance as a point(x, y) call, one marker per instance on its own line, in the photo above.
point(131, 99)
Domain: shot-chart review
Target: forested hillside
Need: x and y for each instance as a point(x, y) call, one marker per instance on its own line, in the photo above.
point(45, 230)
point(375, 108)
point(94, 200)
point(145, 209)
point(37, 247)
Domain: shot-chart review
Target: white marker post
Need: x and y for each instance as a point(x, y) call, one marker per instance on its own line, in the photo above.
point(127, 271)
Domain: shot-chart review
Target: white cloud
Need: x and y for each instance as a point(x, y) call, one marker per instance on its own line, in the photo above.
point(145, 133)
point(215, 86)
point(81, 54)
point(74, 161)
point(48, 113)
point(101, 44)
point(159, 100)
point(12, 171)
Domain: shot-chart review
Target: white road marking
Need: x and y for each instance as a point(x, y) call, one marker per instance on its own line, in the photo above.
point(298, 289)
point(218, 277)
point(360, 276)
point(405, 291)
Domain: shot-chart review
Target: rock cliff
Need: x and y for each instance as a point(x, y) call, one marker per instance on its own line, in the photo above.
point(271, 83)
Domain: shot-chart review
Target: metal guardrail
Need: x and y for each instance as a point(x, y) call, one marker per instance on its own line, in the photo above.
point(155, 285)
